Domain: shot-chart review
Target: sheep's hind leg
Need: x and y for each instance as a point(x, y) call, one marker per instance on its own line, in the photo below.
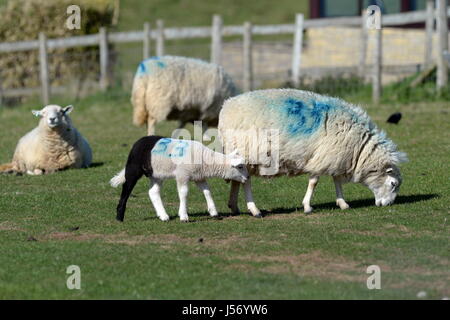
point(203, 186)
point(132, 175)
point(155, 197)
point(251, 206)
point(313, 180)
point(150, 126)
point(340, 202)
point(233, 200)
point(183, 189)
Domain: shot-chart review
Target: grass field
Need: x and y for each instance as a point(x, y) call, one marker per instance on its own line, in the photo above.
point(285, 255)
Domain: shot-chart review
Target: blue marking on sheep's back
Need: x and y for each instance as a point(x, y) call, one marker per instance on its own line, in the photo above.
point(177, 148)
point(148, 65)
point(304, 119)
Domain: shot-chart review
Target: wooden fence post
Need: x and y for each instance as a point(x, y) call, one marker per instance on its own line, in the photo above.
point(248, 59)
point(363, 48)
point(160, 37)
point(429, 29)
point(146, 45)
point(442, 72)
point(216, 39)
point(297, 50)
point(377, 66)
point(43, 67)
point(104, 59)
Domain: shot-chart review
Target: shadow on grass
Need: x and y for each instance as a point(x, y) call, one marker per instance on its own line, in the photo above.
point(96, 164)
point(363, 203)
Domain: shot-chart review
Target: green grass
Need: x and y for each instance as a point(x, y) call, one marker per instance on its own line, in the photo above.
point(286, 255)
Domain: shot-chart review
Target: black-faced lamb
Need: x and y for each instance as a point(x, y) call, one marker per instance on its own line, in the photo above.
point(161, 158)
point(313, 134)
point(55, 144)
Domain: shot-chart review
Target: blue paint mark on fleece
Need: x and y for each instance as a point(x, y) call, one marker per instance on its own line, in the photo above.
point(303, 119)
point(178, 148)
point(146, 66)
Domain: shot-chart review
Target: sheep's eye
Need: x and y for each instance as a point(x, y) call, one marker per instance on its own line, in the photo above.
point(393, 184)
point(241, 166)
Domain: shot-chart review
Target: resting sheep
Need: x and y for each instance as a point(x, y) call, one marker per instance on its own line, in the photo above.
point(315, 134)
point(161, 158)
point(55, 144)
point(179, 88)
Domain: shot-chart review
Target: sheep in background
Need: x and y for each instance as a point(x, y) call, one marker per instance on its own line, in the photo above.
point(179, 88)
point(316, 134)
point(53, 145)
point(161, 158)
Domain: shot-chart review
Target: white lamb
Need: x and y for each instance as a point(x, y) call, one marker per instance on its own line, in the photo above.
point(55, 144)
point(179, 88)
point(313, 134)
point(161, 158)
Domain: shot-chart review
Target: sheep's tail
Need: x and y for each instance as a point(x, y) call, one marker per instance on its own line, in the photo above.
point(140, 113)
point(118, 179)
point(7, 168)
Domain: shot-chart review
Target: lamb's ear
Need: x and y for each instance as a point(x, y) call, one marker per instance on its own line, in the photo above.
point(36, 113)
point(68, 109)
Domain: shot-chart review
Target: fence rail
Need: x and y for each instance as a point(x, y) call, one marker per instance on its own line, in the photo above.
point(216, 31)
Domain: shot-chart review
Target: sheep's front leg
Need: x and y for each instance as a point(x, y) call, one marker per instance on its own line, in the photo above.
point(233, 200)
point(339, 194)
point(155, 197)
point(183, 189)
point(313, 180)
point(203, 186)
point(251, 206)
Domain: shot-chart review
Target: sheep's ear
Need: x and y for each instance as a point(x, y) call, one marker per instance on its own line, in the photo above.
point(36, 113)
point(68, 109)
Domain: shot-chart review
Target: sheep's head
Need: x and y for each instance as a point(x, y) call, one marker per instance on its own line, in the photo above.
point(238, 169)
point(385, 184)
point(54, 116)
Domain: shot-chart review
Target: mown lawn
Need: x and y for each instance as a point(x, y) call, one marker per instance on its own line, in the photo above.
point(285, 255)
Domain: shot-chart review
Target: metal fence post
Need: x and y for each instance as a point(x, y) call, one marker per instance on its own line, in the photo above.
point(442, 73)
point(104, 59)
point(43, 67)
point(216, 39)
point(297, 49)
point(248, 59)
point(147, 41)
point(160, 37)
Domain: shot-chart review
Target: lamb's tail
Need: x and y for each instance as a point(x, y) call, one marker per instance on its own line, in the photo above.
point(140, 113)
point(7, 168)
point(118, 179)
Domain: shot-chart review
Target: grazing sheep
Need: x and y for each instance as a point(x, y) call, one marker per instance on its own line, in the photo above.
point(161, 158)
point(179, 88)
point(53, 145)
point(316, 134)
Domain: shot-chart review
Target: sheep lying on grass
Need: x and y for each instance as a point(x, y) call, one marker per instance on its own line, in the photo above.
point(161, 158)
point(315, 134)
point(179, 88)
point(53, 145)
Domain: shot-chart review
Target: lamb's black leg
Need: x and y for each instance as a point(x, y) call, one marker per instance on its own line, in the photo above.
point(132, 175)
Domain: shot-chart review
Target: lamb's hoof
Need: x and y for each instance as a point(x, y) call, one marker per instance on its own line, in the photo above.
point(259, 215)
point(165, 218)
point(342, 204)
point(308, 210)
point(185, 220)
point(119, 219)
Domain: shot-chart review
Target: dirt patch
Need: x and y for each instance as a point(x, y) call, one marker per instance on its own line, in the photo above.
point(316, 264)
point(9, 226)
point(72, 236)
